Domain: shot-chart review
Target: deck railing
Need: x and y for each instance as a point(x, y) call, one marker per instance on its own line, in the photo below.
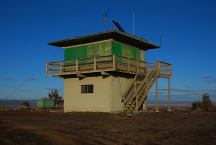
point(103, 63)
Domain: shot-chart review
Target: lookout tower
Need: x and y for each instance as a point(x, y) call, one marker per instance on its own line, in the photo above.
point(108, 72)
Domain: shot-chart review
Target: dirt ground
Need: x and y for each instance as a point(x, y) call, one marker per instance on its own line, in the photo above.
point(163, 128)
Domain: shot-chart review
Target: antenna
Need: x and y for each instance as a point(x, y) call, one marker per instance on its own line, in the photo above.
point(133, 22)
point(105, 18)
point(160, 40)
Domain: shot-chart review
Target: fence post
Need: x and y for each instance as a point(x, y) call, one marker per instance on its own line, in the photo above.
point(47, 69)
point(114, 62)
point(77, 67)
point(95, 67)
point(137, 66)
point(128, 64)
point(60, 68)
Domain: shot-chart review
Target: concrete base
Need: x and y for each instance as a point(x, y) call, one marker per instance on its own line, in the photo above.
point(106, 97)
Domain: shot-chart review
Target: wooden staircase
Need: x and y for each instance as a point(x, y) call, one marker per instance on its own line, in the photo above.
point(137, 93)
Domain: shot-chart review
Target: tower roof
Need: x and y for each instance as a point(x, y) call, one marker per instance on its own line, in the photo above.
point(122, 37)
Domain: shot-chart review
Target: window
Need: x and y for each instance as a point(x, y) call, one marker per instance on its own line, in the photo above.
point(87, 88)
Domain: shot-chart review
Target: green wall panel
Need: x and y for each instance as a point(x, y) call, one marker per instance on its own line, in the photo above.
point(75, 53)
point(88, 51)
point(127, 51)
point(99, 49)
point(116, 48)
point(104, 48)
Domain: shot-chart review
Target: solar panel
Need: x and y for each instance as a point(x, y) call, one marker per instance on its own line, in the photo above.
point(117, 26)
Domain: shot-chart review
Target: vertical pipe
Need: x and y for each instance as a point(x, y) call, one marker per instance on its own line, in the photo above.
point(169, 101)
point(156, 94)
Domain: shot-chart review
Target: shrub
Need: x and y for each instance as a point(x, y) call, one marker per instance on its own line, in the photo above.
point(5, 107)
point(54, 95)
point(25, 103)
point(197, 105)
point(205, 104)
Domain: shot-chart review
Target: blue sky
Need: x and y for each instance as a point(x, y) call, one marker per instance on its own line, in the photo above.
point(187, 28)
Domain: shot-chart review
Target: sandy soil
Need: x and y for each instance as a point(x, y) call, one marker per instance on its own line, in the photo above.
point(45, 128)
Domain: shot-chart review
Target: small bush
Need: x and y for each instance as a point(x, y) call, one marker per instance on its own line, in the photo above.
point(205, 104)
point(196, 105)
point(54, 95)
point(25, 103)
point(5, 107)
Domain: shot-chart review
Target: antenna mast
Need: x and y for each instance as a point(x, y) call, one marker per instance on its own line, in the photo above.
point(133, 22)
point(105, 18)
point(160, 39)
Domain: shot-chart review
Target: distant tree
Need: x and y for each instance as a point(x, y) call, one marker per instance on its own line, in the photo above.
point(25, 103)
point(196, 105)
point(54, 95)
point(207, 103)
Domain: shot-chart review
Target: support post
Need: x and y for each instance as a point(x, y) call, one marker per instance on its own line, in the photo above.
point(170, 70)
point(61, 68)
point(156, 94)
point(169, 101)
point(95, 67)
point(47, 69)
point(114, 62)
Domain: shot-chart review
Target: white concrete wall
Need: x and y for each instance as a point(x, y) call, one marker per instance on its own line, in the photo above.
point(99, 101)
point(107, 94)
